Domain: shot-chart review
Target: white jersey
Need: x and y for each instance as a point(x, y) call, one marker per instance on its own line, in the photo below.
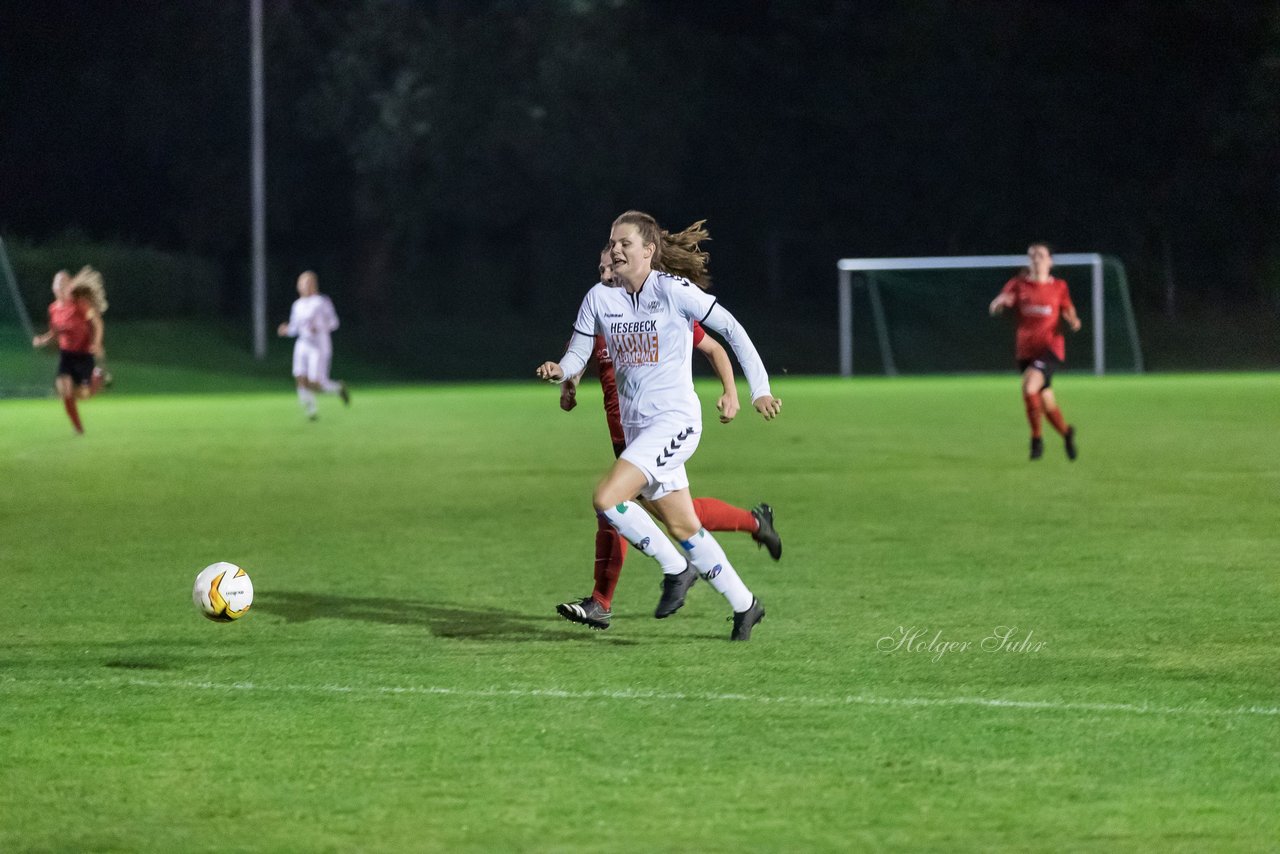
point(312, 319)
point(650, 337)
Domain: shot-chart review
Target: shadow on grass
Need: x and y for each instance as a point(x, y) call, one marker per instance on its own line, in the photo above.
point(442, 620)
point(141, 664)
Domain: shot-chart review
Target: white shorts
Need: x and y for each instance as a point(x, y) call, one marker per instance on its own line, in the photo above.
point(660, 450)
point(311, 362)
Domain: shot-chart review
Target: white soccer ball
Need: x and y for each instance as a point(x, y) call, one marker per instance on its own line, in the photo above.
point(223, 592)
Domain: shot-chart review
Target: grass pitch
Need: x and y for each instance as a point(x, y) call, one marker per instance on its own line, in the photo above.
point(963, 650)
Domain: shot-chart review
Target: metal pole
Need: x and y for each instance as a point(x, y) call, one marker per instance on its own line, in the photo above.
point(18, 304)
point(259, 182)
point(845, 293)
point(1099, 346)
point(882, 328)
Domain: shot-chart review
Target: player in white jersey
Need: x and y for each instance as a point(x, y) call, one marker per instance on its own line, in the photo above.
point(311, 321)
point(647, 324)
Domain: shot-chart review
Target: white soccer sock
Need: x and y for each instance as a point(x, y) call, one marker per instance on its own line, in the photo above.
point(331, 386)
point(635, 525)
point(709, 559)
point(308, 399)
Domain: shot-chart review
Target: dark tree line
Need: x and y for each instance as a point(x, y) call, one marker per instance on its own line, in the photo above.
point(474, 152)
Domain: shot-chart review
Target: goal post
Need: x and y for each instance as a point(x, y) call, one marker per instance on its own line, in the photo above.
point(15, 295)
point(24, 372)
point(964, 285)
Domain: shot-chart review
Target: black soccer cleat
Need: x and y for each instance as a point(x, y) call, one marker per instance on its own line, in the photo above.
point(1037, 448)
point(1069, 442)
point(674, 588)
point(587, 611)
point(344, 394)
point(766, 535)
point(744, 621)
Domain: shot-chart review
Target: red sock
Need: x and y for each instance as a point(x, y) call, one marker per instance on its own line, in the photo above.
point(611, 550)
point(1032, 402)
point(1054, 414)
point(73, 412)
point(715, 515)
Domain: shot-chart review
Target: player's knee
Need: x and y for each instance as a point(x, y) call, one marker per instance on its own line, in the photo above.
point(602, 500)
point(683, 529)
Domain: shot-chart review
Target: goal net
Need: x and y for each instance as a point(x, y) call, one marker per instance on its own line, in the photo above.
point(23, 372)
point(929, 315)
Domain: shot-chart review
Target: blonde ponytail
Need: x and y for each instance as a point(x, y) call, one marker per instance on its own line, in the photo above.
point(87, 284)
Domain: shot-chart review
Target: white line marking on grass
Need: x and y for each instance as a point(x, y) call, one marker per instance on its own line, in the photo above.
point(667, 696)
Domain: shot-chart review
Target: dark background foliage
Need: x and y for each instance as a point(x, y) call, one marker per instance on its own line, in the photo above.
point(457, 158)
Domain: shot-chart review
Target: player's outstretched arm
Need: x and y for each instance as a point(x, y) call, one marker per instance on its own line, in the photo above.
point(41, 340)
point(721, 321)
point(1002, 301)
point(95, 324)
point(728, 404)
point(1072, 319)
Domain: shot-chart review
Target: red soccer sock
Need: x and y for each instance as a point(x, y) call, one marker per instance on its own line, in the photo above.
point(1054, 414)
point(1034, 411)
point(73, 412)
point(611, 551)
point(716, 515)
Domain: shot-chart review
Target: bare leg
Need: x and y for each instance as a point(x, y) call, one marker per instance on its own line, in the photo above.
point(612, 500)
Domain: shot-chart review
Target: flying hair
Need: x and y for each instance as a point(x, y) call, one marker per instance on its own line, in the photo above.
point(678, 254)
point(87, 284)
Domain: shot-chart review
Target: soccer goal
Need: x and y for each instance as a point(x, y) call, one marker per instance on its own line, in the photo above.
point(23, 372)
point(929, 315)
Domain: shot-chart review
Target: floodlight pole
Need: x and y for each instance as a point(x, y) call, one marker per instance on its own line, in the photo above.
point(259, 183)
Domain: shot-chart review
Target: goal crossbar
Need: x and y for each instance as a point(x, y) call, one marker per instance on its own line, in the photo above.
point(848, 266)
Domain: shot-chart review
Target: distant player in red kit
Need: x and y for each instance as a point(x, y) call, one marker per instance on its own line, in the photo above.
point(611, 549)
point(75, 319)
point(1040, 302)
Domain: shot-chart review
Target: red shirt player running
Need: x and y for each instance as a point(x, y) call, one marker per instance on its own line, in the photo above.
point(716, 515)
point(1040, 303)
point(75, 320)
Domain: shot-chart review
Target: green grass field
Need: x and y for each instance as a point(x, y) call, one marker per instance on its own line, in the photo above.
point(403, 683)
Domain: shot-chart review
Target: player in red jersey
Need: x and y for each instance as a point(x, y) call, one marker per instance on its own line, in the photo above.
point(75, 319)
point(716, 515)
point(1041, 303)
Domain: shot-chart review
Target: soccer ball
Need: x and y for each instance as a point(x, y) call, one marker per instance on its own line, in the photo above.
point(223, 592)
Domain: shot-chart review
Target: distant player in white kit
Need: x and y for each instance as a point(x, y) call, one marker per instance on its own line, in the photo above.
point(311, 321)
point(648, 326)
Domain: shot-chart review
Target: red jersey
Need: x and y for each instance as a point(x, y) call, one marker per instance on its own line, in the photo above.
point(609, 384)
point(71, 321)
point(1038, 307)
